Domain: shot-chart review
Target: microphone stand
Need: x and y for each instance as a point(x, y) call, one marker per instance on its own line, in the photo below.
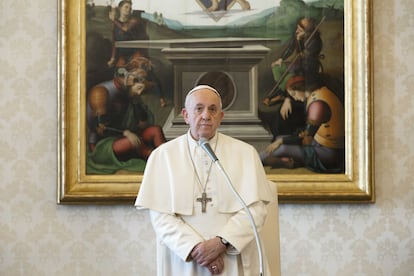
point(256, 234)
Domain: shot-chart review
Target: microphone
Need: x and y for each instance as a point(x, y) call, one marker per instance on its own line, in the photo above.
point(203, 142)
point(207, 148)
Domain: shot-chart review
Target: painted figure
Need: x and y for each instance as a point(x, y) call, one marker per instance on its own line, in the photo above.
point(129, 26)
point(320, 146)
point(126, 27)
point(301, 56)
point(120, 125)
point(223, 5)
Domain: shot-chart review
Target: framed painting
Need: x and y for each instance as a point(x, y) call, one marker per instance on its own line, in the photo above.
point(124, 68)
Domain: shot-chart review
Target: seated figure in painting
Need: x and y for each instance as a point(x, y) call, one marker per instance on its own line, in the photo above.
point(281, 113)
point(121, 133)
point(320, 145)
point(284, 115)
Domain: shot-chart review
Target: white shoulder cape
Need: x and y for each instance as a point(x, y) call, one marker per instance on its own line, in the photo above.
point(167, 184)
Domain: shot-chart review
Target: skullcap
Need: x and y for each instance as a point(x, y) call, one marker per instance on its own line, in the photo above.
point(203, 86)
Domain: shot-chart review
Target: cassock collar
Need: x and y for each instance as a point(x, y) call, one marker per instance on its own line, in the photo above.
point(193, 144)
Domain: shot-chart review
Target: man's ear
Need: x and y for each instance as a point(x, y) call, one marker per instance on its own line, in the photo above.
point(185, 115)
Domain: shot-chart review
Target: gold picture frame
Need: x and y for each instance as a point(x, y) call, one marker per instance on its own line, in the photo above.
point(355, 185)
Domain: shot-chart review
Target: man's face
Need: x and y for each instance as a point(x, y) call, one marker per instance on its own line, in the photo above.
point(136, 81)
point(125, 9)
point(203, 113)
point(297, 95)
point(300, 32)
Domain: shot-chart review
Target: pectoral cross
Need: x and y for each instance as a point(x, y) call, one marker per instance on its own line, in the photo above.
point(203, 199)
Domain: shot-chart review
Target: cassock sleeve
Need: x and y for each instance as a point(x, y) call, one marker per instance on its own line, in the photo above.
point(172, 231)
point(238, 230)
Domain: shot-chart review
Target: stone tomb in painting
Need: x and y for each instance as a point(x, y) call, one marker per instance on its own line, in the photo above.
point(228, 64)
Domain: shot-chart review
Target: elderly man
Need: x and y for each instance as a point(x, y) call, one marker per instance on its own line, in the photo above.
point(201, 227)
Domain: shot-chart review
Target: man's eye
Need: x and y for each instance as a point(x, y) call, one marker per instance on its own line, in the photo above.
point(212, 110)
point(138, 79)
point(199, 109)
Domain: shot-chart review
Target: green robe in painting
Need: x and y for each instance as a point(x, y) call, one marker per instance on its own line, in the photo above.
point(103, 160)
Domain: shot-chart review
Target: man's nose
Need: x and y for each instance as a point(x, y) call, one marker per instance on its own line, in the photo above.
point(206, 114)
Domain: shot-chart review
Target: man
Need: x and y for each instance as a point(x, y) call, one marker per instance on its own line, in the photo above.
point(121, 133)
point(320, 146)
point(200, 226)
point(300, 57)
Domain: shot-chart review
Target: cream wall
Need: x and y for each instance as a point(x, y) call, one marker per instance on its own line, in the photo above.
point(37, 237)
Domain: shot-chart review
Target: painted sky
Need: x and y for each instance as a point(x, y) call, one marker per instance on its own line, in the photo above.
point(190, 11)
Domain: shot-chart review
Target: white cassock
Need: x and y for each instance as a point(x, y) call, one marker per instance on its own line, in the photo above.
point(170, 189)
